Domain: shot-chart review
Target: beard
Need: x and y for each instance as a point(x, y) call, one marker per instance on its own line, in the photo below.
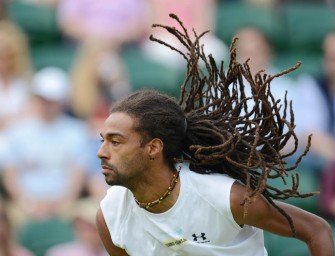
point(126, 174)
point(112, 176)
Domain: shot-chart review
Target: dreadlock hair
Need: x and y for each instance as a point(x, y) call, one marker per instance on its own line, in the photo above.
point(214, 128)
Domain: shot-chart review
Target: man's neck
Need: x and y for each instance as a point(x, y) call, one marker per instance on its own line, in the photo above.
point(160, 193)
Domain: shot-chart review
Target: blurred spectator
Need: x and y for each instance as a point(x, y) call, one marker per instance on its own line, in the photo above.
point(100, 29)
point(98, 79)
point(317, 105)
point(87, 242)
point(200, 16)
point(96, 185)
point(114, 21)
point(43, 172)
point(327, 205)
point(317, 99)
point(15, 73)
point(3, 14)
point(253, 44)
point(8, 244)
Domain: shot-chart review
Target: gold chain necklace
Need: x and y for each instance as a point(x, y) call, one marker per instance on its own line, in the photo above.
point(168, 192)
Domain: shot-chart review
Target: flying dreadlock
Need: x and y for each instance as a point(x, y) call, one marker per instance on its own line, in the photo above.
point(224, 134)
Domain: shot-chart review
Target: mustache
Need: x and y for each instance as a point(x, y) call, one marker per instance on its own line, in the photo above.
point(106, 164)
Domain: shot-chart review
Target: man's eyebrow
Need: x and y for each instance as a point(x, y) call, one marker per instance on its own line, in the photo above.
point(111, 135)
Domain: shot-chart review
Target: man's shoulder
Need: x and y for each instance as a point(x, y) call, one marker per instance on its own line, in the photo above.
point(209, 186)
point(117, 198)
point(116, 193)
point(117, 208)
point(210, 178)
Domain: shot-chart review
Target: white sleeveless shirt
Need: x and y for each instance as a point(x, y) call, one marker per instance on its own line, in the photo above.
point(199, 224)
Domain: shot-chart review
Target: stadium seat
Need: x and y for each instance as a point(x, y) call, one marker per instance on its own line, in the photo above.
point(146, 73)
point(39, 236)
point(284, 246)
point(310, 62)
point(307, 24)
point(332, 225)
point(38, 22)
point(53, 54)
point(234, 15)
point(308, 182)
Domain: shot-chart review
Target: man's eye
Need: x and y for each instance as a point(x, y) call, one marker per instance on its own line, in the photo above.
point(114, 142)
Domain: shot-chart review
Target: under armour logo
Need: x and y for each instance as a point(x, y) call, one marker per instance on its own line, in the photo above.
point(195, 237)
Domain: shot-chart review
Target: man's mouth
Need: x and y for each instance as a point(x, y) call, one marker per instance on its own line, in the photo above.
point(106, 169)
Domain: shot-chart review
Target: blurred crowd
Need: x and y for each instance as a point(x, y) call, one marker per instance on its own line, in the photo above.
point(50, 116)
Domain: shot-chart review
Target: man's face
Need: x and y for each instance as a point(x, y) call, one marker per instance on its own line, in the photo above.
point(7, 57)
point(121, 154)
point(329, 57)
point(49, 108)
point(252, 44)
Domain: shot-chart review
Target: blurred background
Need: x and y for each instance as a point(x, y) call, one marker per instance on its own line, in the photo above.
point(64, 62)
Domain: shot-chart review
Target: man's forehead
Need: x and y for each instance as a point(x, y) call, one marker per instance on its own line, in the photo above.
point(119, 121)
point(118, 115)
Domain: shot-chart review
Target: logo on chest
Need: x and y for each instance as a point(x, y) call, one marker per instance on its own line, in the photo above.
point(200, 238)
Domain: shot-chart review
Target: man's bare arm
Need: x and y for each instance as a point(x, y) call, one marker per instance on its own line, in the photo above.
point(310, 228)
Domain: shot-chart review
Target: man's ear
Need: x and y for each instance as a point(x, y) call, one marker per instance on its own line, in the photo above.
point(155, 148)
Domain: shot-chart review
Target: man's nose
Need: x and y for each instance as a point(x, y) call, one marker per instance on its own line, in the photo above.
point(102, 152)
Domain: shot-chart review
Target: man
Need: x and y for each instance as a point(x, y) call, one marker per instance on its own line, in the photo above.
point(321, 118)
point(44, 165)
point(216, 202)
point(87, 241)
